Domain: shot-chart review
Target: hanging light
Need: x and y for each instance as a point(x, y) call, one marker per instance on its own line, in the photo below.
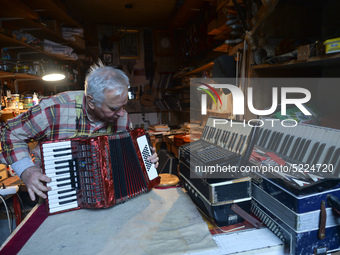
point(53, 73)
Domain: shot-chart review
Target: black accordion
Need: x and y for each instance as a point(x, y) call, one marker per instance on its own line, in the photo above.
point(97, 172)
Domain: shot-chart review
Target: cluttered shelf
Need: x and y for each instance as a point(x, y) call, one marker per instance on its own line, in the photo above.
point(322, 60)
point(6, 40)
point(18, 75)
point(57, 11)
point(43, 30)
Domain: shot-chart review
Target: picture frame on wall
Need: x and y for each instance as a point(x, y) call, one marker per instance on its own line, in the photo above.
point(107, 57)
point(129, 45)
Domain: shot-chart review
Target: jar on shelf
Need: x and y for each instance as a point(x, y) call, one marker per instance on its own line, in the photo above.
point(28, 102)
point(15, 97)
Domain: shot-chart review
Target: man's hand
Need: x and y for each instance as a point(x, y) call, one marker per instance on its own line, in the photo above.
point(154, 158)
point(33, 179)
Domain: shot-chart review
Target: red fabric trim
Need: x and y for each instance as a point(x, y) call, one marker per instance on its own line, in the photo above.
point(26, 231)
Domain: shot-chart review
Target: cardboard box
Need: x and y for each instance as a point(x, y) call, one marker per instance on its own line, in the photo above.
point(303, 52)
point(332, 45)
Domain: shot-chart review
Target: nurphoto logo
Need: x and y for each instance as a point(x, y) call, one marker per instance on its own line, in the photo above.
point(238, 99)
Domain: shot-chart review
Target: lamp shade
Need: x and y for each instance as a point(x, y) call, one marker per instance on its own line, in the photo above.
point(53, 73)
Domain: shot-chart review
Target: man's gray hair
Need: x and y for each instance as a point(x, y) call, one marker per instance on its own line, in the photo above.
point(100, 78)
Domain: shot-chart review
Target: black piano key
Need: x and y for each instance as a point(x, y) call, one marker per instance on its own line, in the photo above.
point(328, 155)
point(67, 201)
point(271, 143)
point(318, 154)
point(204, 132)
point(295, 146)
point(261, 140)
point(334, 162)
point(218, 134)
point(63, 179)
point(63, 184)
point(289, 142)
point(299, 149)
point(265, 138)
point(304, 150)
point(242, 144)
point(62, 154)
point(234, 141)
point(62, 172)
point(66, 196)
point(212, 133)
point(284, 144)
point(239, 143)
point(278, 140)
point(232, 135)
point(312, 153)
point(61, 149)
point(62, 161)
point(224, 133)
point(65, 191)
point(228, 135)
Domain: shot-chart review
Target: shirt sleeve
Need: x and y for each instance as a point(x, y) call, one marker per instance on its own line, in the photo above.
point(17, 133)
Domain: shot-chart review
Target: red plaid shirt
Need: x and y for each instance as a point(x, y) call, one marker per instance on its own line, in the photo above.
point(54, 118)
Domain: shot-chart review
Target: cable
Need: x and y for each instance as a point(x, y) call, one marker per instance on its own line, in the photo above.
point(21, 204)
point(9, 222)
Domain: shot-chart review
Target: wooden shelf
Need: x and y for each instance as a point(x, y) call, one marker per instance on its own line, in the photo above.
point(18, 75)
point(7, 41)
point(329, 60)
point(51, 9)
point(41, 32)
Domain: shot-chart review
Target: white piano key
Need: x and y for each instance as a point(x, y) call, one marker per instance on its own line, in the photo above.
point(55, 190)
point(58, 208)
point(60, 197)
point(54, 154)
point(53, 145)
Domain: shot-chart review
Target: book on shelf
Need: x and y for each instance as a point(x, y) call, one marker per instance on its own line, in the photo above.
point(159, 127)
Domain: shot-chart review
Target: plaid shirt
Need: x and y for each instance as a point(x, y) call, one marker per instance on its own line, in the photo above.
point(54, 118)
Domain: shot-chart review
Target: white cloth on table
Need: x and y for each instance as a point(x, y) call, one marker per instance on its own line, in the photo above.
point(158, 222)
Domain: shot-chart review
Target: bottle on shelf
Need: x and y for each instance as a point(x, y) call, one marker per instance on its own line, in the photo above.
point(35, 99)
point(5, 56)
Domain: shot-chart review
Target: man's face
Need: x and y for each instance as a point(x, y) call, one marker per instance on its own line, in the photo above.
point(112, 107)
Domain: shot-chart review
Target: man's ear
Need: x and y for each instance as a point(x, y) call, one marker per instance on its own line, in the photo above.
point(89, 102)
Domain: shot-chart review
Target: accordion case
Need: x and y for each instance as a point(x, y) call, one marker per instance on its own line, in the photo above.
point(292, 197)
point(97, 172)
point(222, 145)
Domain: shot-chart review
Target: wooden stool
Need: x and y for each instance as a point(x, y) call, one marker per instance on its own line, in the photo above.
point(168, 180)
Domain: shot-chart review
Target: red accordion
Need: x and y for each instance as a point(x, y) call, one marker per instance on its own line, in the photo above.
point(97, 172)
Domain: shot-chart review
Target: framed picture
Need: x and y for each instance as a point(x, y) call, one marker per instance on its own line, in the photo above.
point(163, 43)
point(129, 47)
point(107, 57)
